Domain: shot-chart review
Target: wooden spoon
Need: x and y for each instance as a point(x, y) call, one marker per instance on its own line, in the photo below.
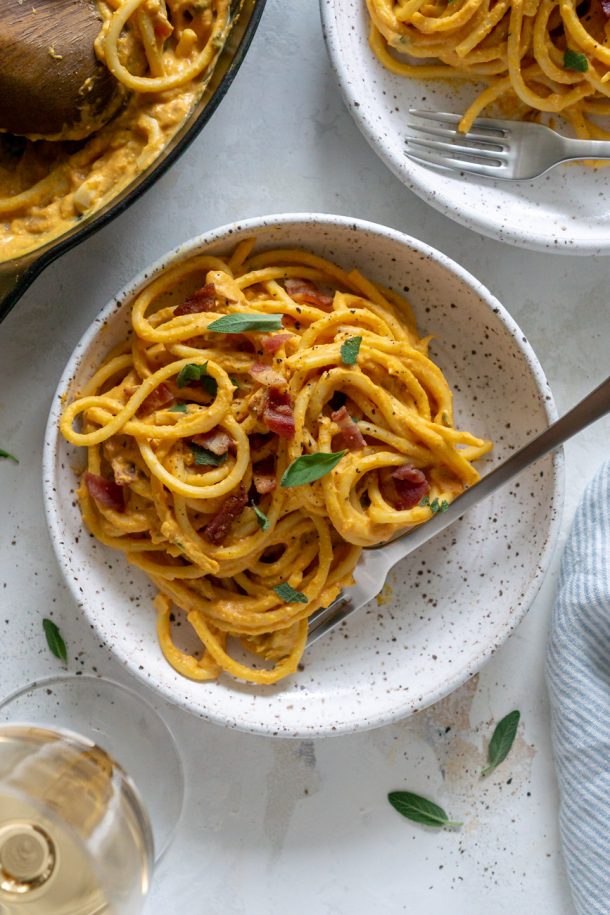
point(51, 83)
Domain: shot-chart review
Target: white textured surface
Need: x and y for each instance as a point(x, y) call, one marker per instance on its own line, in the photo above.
point(277, 826)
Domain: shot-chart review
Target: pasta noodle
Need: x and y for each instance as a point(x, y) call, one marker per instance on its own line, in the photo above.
point(201, 440)
point(534, 56)
point(162, 52)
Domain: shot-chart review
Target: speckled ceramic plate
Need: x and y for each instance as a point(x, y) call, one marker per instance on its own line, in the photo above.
point(447, 606)
point(567, 210)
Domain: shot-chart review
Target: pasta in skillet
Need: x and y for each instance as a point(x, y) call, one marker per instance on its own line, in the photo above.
point(162, 52)
point(269, 416)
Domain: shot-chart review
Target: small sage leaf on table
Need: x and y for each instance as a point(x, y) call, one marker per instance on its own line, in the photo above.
point(420, 809)
point(7, 454)
point(54, 640)
point(501, 741)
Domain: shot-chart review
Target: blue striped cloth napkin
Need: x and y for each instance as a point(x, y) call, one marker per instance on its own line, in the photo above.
point(578, 676)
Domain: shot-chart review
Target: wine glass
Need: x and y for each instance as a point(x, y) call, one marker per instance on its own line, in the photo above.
point(91, 790)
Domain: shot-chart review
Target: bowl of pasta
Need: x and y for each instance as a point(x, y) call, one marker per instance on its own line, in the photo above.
point(252, 412)
point(539, 60)
point(173, 63)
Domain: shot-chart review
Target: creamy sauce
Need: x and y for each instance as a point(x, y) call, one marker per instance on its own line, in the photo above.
point(59, 183)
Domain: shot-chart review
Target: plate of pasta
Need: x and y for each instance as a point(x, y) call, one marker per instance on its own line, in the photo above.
point(250, 414)
point(543, 60)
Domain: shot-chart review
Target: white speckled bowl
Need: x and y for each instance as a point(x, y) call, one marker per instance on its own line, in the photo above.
point(566, 210)
point(449, 605)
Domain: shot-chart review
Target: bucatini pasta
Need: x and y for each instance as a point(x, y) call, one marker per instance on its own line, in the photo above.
point(534, 56)
point(269, 416)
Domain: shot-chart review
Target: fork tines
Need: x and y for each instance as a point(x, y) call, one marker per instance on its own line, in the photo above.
point(433, 139)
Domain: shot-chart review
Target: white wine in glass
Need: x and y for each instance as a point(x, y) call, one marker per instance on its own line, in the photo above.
point(91, 792)
point(74, 836)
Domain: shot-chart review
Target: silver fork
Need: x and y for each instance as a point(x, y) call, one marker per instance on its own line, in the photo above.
point(494, 148)
point(375, 562)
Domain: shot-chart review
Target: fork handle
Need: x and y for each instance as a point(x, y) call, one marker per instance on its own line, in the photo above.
point(588, 410)
point(591, 408)
point(574, 149)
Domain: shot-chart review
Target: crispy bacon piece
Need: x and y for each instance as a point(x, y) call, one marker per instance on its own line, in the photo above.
point(217, 529)
point(410, 486)
point(124, 471)
point(243, 345)
point(160, 397)
point(216, 440)
point(263, 475)
point(271, 343)
point(203, 299)
point(350, 436)
point(306, 293)
point(408, 472)
point(106, 493)
point(277, 415)
point(266, 376)
point(258, 441)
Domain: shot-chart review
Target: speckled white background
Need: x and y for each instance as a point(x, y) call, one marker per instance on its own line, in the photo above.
point(304, 827)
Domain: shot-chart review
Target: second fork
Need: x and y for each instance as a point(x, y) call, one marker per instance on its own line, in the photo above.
point(494, 147)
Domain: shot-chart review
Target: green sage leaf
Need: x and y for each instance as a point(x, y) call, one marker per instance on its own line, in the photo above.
point(310, 467)
point(7, 454)
point(289, 594)
point(55, 640)
point(209, 384)
point(574, 60)
point(204, 457)
point(419, 809)
point(190, 372)
point(349, 350)
point(261, 517)
point(501, 741)
point(241, 323)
